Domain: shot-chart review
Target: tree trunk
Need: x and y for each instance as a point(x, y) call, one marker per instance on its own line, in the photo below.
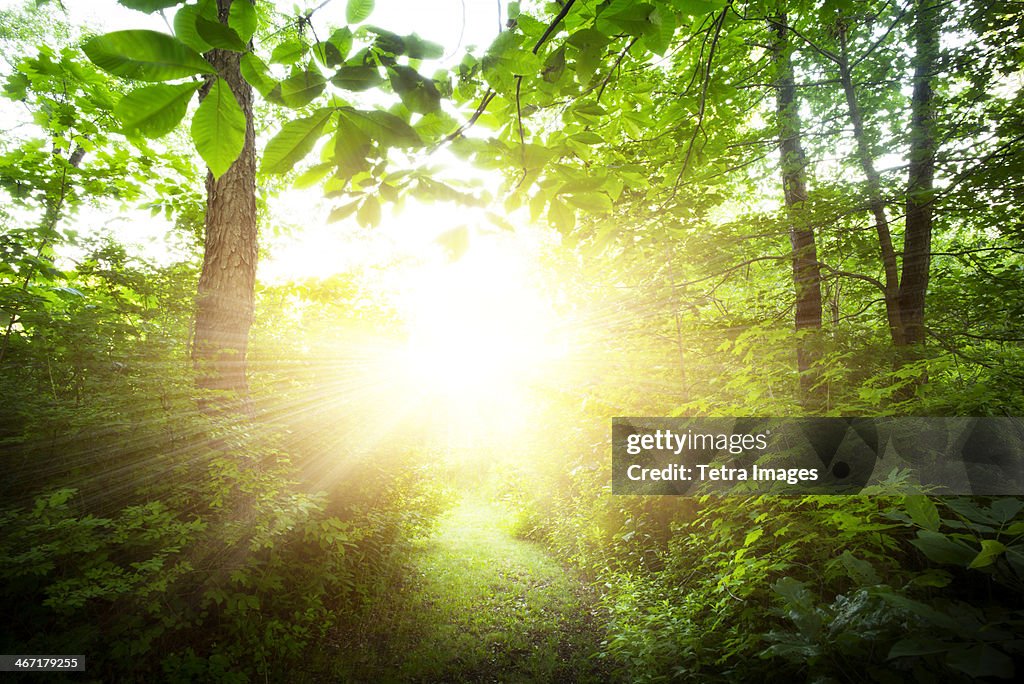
point(806, 272)
point(875, 200)
point(224, 303)
point(920, 182)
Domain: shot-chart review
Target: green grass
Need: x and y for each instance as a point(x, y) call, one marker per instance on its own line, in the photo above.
point(480, 606)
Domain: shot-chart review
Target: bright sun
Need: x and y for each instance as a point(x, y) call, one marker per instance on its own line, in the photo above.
point(479, 308)
point(478, 325)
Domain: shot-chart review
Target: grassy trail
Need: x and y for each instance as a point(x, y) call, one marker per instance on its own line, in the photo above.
point(483, 606)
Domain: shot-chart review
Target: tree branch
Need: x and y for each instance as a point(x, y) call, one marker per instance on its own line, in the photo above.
point(553, 25)
point(608, 78)
point(699, 128)
point(827, 54)
point(491, 93)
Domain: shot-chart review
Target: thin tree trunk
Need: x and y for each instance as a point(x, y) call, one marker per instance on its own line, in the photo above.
point(920, 182)
point(875, 200)
point(806, 272)
point(224, 303)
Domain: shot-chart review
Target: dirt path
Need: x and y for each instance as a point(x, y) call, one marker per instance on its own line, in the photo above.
point(483, 606)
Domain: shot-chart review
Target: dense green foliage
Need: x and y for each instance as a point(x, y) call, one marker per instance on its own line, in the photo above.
point(299, 541)
point(185, 541)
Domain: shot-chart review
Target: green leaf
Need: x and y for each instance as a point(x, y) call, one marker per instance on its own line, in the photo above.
point(257, 74)
point(586, 37)
point(435, 125)
point(384, 128)
point(314, 175)
point(979, 519)
point(387, 42)
point(288, 52)
point(145, 56)
point(218, 128)
point(418, 93)
point(587, 138)
point(990, 551)
point(185, 28)
point(333, 51)
point(859, 570)
point(922, 511)
point(792, 590)
point(342, 212)
point(418, 48)
point(218, 35)
point(327, 54)
point(587, 112)
point(659, 35)
point(155, 110)
point(521, 62)
point(561, 216)
point(301, 88)
point(554, 66)
point(634, 18)
point(537, 203)
point(357, 78)
point(595, 202)
point(351, 147)
point(294, 141)
point(243, 18)
point(16, 87)
point(589, 44)
point(148, 6)
point(1005, 509)
point(342, 40)
point(368, 215)
point(933, 577)
point(358, 10)
point(941, 548)
point(698, 8)
point(981, 660)
point(275, 95)
point(1015, 557)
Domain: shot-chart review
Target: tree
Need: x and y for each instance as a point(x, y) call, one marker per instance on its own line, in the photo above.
point(793, 162)
point(78, 159)
point(905, 275)
point(920, 176)
point(224, 302)
point(214, 40)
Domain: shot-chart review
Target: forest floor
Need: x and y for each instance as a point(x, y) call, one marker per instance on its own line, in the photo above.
point(480, 605)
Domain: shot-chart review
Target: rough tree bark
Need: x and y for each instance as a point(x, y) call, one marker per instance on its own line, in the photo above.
point(920, 182)
point(224, 302)
point(806, 271)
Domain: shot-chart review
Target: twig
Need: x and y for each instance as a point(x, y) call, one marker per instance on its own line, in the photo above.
point(699, 128)
point(615, 66)
point(491, 93)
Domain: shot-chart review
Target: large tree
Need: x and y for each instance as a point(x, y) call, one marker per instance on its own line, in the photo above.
point(215, 51)
point(224, 302)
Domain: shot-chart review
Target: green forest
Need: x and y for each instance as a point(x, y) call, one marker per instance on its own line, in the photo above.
point(315, 316)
